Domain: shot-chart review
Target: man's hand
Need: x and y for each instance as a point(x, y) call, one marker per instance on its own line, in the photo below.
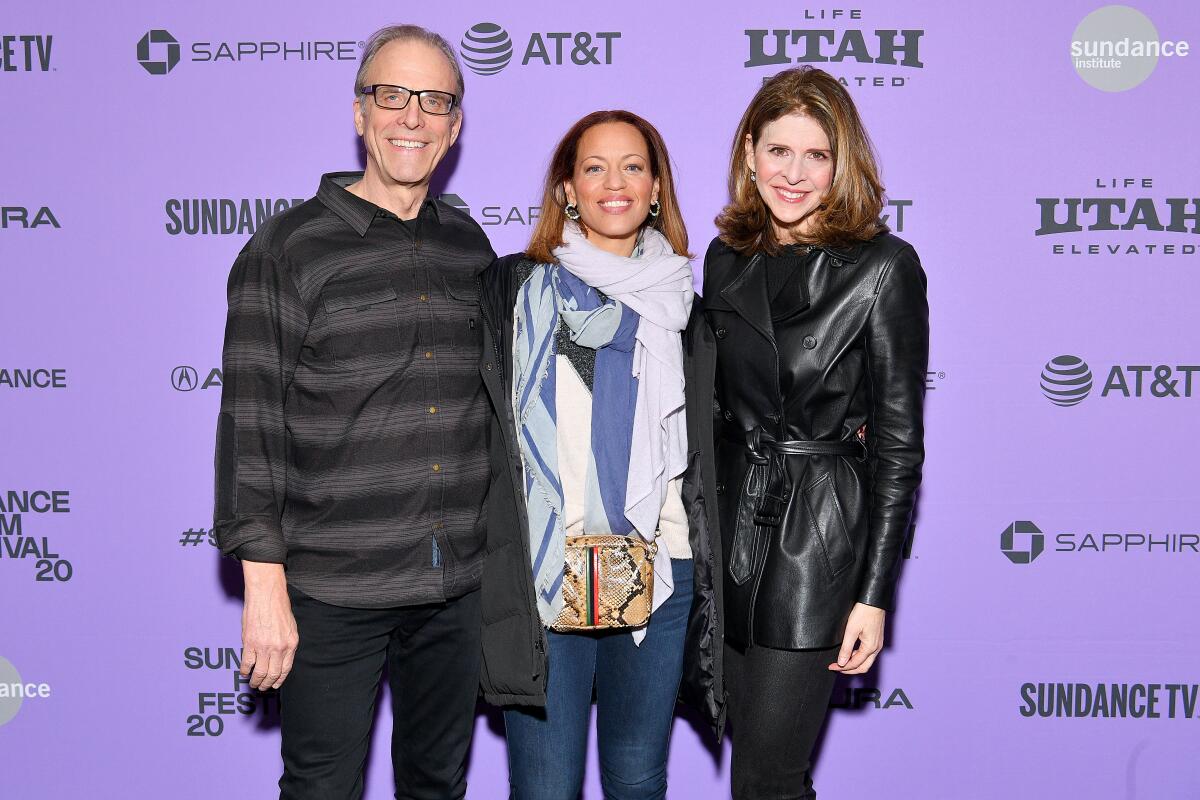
point(269, 636)
point(865, 626)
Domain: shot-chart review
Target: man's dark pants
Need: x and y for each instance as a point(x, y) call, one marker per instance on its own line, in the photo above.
point(327, 703)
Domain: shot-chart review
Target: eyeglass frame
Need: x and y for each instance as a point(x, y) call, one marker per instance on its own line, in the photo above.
point(417, 93)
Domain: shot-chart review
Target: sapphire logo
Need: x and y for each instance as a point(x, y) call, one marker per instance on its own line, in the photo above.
point(1066, 380)
point(486, 48)
point(1027, 547)
point(162, 60)
point(457, 202)
point(184, 379)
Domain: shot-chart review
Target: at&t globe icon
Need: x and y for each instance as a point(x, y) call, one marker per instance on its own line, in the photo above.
point(486, 48)
point(1066, 380)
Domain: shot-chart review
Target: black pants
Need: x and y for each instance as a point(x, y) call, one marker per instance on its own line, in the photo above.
point(327, 702)
point(778, 700)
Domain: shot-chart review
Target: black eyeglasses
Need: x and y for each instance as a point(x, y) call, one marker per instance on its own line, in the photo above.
point(431, 101)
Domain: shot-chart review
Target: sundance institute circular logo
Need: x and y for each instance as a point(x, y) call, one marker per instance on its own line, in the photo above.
point(486, 48)
point(1115, 48)
point(10, 701)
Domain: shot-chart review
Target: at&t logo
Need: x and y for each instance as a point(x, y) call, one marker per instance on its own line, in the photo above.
point(1067, 380)
point(486, 48)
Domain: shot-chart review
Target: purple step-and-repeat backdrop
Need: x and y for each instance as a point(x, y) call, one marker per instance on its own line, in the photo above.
point(1041, 158)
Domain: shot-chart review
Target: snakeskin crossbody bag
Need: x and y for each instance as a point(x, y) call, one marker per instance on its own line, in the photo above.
point(608, 582)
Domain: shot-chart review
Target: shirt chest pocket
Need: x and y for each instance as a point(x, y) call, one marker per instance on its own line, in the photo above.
point(363, 323)
point(459, 323)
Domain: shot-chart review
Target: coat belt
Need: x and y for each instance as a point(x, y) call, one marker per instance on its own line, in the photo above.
point(767, 490)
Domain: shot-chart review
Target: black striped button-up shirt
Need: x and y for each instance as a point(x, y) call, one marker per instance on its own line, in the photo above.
point(351, 443)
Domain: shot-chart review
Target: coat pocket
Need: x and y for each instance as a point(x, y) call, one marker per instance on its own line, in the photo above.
point(825, 516)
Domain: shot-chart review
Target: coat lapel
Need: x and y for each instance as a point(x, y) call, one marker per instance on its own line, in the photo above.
point(747, 295)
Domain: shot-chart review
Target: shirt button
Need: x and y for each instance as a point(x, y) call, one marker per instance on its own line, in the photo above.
point(810, 342)
point(729, 416)
point(424, 298)
point(488, 366)
point(437, 467)
point(721, 333)
point(433, 409)
point(429, 354)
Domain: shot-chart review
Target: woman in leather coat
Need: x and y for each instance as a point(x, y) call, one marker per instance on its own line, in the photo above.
point(814, 336)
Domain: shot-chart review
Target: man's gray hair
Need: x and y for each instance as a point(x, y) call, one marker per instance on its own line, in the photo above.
point(409, 33)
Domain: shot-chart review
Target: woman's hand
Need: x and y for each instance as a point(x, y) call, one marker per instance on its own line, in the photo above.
point(865, 626)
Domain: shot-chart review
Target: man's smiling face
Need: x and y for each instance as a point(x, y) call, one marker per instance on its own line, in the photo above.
point(404, 146)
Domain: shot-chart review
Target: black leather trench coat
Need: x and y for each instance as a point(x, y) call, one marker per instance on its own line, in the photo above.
point(514, 641)
point(801, 537)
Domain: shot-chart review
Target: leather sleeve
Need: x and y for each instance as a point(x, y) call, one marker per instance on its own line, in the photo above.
point(897, 344)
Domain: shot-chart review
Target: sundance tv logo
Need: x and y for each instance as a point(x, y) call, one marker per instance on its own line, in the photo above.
point(1023, 541)
point(25, 52)
point(1067, 380)
point(192, 216)
point(159, 52)
point(1110, 700)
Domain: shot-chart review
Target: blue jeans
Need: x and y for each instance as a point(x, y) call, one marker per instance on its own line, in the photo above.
point(635, 700)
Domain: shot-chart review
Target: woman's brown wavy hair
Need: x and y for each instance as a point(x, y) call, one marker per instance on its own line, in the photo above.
point(851, 208)
point(548, 233)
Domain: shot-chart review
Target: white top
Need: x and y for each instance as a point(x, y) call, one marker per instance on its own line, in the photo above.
point(573, 404)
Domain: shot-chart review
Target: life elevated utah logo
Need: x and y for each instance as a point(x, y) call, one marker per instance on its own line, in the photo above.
point(1116, 48)
point(487, 48)
point(159, 52)
point(1121, 216)
point(1066, 381)
point(819, 42)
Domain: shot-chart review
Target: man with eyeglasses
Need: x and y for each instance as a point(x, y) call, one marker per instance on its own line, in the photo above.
point(351, 464)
